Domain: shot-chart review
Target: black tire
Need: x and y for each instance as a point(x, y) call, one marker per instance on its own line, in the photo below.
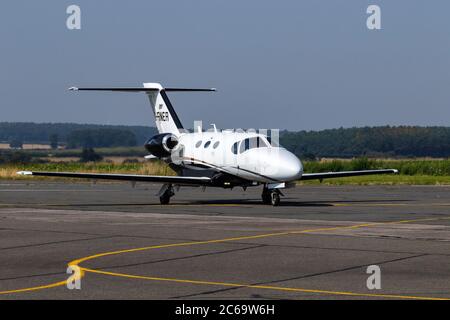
point(265, 196)
point(275, 198)
point(164, 199)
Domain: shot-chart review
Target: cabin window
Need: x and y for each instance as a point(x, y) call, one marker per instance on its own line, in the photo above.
point(207, 144)
point(216, 144)
point(198, 144)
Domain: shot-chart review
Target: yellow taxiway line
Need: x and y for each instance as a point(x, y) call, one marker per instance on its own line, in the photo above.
point(77, 262)
point(47, 286)
point(240, 285)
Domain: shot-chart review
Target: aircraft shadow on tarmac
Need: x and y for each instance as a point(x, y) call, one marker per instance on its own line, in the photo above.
point(237, 202)
point(292, 202)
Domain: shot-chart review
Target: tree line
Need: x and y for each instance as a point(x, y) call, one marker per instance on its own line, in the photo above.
point(383, 141)
point(386, 141)
point(29, 132)
point(105, 137)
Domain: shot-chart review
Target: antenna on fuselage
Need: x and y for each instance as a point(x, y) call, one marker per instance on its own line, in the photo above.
point(198, 125)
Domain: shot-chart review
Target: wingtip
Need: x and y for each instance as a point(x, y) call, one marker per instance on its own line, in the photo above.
point(73, 89)
point(24, 173)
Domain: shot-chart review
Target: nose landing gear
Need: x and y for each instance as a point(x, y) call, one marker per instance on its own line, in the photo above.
point(271, 196)
point(275, 198)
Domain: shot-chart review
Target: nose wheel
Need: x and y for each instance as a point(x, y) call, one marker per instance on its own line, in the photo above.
point(274, 198)
point(271, 196)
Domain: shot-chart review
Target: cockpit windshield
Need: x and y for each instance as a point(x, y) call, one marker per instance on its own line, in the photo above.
point(273, 142)
point(249, 143)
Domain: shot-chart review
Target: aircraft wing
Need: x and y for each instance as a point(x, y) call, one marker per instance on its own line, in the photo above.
point(326, 175)
point(123, 177)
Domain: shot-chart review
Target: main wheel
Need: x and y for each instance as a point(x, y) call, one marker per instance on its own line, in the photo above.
point(164, 199)
point(275, 198)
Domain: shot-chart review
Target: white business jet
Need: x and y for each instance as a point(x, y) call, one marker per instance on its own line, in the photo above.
point(225, 159)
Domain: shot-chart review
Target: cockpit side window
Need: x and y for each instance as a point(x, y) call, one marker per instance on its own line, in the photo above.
point(245, 145)
point(253, 143)
point(262, 143)
point(234, 147)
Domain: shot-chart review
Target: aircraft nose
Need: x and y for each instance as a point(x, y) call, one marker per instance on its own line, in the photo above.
point(289, 167)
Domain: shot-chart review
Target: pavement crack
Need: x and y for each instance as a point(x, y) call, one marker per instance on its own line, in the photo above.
point(180, 258)
point(298, 277)
point(34, 276)
point(345, 249)
point(54, 242)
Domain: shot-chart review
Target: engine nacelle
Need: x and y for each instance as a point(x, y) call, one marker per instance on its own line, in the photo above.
point(162, 145)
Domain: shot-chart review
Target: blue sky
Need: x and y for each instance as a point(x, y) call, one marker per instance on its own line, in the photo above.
point(277, 64)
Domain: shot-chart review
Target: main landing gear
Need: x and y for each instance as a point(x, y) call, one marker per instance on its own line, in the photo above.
point(166, 193)
point(271, 196)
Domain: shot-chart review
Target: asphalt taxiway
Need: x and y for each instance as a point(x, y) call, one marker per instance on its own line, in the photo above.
point(223, 244)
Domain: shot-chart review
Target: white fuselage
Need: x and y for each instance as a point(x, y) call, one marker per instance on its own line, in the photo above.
point(246, 155)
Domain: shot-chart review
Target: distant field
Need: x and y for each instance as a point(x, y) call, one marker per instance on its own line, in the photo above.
point(420, 172)
point(27, 146)
point(384, 180)
point(113, 159)
point(138, 151)
point(150, 168)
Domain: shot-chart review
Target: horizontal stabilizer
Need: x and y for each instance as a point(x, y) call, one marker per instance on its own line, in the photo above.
point(142, 89)
point(166, 119)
